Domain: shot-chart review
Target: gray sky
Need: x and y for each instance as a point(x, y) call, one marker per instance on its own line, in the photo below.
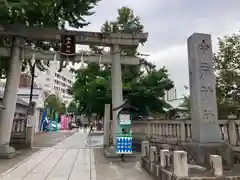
point(169, 23)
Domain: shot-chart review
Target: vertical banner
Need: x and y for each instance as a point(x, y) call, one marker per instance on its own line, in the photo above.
point(51, 119)
point(62, 121)
point(57, 123)
point(65, 122)
point(44, 115)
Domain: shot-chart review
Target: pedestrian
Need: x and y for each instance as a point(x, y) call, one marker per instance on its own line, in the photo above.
point(85, 127)
point(91, 127)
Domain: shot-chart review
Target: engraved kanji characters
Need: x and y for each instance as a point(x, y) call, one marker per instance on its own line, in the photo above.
point(203, 47)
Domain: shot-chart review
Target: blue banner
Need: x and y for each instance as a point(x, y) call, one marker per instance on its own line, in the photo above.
point(44, 115)
point(123, 145)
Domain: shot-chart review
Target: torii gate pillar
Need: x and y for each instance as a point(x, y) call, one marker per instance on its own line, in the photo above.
point(116, 77)
point(10, 97)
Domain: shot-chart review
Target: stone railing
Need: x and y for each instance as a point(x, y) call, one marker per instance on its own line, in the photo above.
point(181, 130)
point(19, 128)
point(168, 164)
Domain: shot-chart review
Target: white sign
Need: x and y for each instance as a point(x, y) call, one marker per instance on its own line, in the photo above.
point(29, 121)
point(124, 119)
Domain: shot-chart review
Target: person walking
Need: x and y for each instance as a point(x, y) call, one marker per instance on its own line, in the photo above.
point(85, 128)
point(91, 127)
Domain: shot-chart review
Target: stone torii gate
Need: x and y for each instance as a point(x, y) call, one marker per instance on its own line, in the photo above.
point(68, 39)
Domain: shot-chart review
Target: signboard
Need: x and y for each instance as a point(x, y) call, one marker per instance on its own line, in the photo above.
point(29, 121)
point(123, 145)
point(124, 134)
point(68, 44)
point(124, 119)
point(124, 128)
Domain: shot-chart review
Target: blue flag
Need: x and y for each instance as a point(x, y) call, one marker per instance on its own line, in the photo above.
point(43, 118)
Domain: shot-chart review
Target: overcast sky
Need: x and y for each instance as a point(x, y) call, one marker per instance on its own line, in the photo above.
point(169, 23)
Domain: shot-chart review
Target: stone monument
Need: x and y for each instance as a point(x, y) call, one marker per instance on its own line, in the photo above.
point(206, 134)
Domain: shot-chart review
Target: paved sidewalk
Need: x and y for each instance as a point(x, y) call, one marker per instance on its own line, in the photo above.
point(114, 169)
point(74, 159)
point(49, 139)
point(68, 160)
point(41, 140)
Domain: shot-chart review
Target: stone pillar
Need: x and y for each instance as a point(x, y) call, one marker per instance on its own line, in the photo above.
point(10, 97)
point(117, 95)
point(216, 165)
point(31, 119)
point(153, 153)
point(180, 164)
point(164, 157)
point(202, 90)
point(145, 148)
point(106, 125)
point(29, 132)
point(182, 132)
point(149, 133)
point(232, 132)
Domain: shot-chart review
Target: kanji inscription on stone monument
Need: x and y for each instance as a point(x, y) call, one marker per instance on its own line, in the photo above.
point(203, 47)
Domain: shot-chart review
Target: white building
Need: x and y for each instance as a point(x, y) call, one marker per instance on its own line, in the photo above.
point(171, 95)
point(56, 82)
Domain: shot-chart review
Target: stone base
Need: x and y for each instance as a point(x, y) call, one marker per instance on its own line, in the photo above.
point(159, 173)
point(111, 153)
point(7, 152)
point(200, 153)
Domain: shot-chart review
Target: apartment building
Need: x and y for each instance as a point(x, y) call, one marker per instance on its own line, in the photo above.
point(171, 94)
point(56, 82)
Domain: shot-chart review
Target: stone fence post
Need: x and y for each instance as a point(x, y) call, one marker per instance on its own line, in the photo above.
point(180, 164)
point(145, 148)
point(216, 165)
point(164, 157)
point(232, 132)
point(182, 131)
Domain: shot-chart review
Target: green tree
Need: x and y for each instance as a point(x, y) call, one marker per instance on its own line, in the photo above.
point(72, 108)
point(90, 89)
point(227, 67)
point(129, 23)
point(147, 92)
point(143, 84)
point(55, 103)
point(44, 13)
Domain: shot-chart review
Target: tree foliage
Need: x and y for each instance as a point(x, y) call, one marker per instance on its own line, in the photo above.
point(227, 67)
point(54, 102)
point(44, 13)
point(143, 84)
point(90, 89)
point(72, 108)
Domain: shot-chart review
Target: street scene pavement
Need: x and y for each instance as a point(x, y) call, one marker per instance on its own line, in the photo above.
point(41, 140)
point(77, 157)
